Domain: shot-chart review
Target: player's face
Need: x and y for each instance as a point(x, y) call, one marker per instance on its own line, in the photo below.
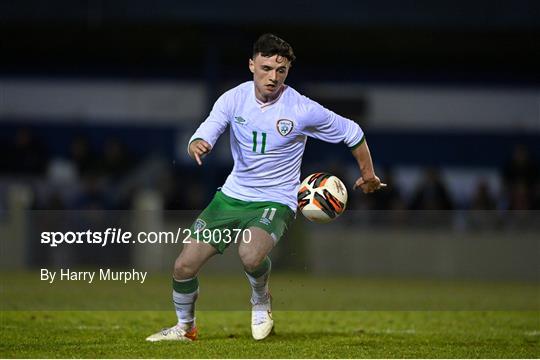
point(269, 74)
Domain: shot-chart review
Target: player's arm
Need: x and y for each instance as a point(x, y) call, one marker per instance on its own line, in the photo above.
point(328, 126)
point(368, 182)
point(203, 140)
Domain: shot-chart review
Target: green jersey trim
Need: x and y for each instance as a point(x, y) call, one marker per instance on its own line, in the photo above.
point(358, 143)
point(195, 140)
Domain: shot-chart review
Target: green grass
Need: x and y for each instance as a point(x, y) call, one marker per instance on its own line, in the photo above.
point(299, 334)
point(388, 319)
point(291, 292)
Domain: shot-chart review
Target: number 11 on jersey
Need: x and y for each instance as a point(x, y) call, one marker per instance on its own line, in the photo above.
point(263, 144)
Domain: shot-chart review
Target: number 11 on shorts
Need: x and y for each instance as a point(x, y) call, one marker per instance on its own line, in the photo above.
point(268, 215)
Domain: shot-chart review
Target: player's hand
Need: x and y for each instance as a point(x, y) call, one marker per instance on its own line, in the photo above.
point(369, 185)
point(198, 149)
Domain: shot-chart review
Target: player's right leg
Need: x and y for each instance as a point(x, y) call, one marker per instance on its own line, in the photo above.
point(268, 223)
point(257, 265)
point(185, 290)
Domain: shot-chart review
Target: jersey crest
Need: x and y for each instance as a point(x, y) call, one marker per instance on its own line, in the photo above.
point(200, 224)
point(284, 126)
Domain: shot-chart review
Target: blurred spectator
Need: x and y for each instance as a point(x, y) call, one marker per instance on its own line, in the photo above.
point(521, 169)
point(536, 197)
point(116, 159)
point(482, 198)
point(84, 160)
point(519, 197)
point(92, 196)
point(184, 189)
point(55, 202)
point(388, 198)
point(5, 155)
point(482, 202)
point(431, 193)
point(28, 155)
point(521, 178)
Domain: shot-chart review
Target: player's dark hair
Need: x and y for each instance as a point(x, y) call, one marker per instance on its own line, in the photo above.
point(269, 45)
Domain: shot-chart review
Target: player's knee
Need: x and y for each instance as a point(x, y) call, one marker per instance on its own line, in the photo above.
point(183, 270)
point(251, 260)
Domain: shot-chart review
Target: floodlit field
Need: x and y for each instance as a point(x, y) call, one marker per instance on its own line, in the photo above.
point(385, 319)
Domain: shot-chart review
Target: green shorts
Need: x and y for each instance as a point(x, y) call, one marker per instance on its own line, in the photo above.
point(226, 220)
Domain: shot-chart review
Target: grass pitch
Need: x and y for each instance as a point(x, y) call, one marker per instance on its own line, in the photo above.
point(506, 328)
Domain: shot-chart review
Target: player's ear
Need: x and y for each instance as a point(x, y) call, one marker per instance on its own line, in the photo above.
point(251, 66)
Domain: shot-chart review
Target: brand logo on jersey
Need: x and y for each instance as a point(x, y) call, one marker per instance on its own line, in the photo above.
point(200, 224)
point(284, 126)
point(240, 120)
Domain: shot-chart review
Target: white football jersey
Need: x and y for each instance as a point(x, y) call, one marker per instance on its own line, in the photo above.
point(268, 140)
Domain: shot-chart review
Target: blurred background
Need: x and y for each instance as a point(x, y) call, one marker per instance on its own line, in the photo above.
point(99, 98)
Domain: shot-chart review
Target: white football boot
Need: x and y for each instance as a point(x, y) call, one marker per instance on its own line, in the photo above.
point(262, 323)
point(175, 333)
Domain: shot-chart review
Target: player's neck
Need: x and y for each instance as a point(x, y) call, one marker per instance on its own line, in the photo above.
point(269, 98)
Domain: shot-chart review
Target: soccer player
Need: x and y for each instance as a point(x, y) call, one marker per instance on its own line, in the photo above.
point(269, 124)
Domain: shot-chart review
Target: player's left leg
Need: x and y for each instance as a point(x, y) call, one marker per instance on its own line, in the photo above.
point(257, 265)
point(185, 283)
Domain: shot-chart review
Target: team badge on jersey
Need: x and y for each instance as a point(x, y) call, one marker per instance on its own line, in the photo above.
point(284, 126)
point(200, 224)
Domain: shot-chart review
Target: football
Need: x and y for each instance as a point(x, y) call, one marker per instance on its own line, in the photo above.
point(322, 197)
